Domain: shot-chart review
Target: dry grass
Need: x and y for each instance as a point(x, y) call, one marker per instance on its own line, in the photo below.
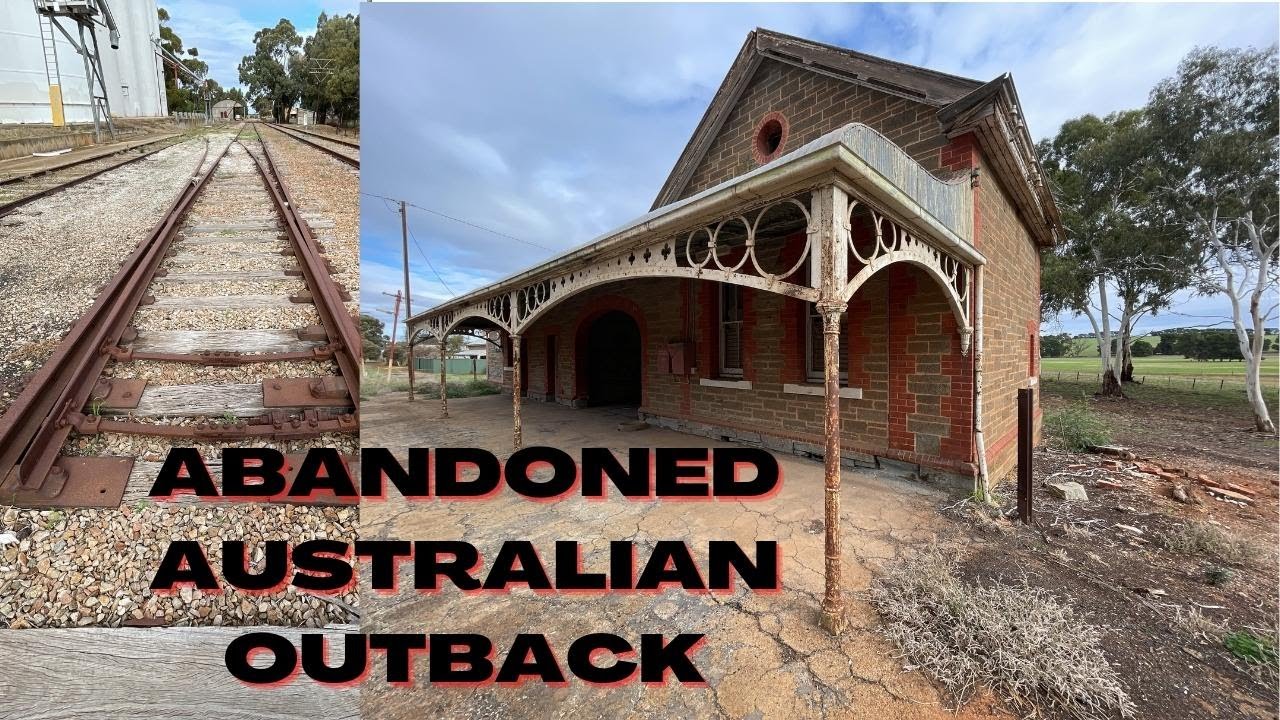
point(1205, 538)
point(1197, 625)
point(1015, 639)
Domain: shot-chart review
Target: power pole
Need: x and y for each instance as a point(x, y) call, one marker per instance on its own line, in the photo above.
point(395, 318)
point(408, 305)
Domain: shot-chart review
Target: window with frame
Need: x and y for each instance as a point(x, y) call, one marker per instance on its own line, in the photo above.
point(730, 330)
point(814, 370)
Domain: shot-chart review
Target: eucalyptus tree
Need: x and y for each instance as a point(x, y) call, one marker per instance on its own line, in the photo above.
point(1119, 260)
point(272, 72)
point(1217, 124)
point(331, 84)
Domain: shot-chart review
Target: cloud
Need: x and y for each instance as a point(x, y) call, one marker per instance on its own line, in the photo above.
point(556, 123)
point(223, 30)
point(218, 30)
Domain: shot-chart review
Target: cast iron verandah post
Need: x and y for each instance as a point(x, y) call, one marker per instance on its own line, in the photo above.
point(444, 392)
point(830, 231)
point(517, 435)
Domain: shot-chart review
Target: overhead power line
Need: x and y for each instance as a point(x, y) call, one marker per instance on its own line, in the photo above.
point(461, 221)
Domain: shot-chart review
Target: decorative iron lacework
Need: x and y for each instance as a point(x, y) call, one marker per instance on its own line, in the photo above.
point(894, 244)
point(733, 249)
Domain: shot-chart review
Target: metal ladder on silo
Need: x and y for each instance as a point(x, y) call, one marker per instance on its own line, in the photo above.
point(51, 71)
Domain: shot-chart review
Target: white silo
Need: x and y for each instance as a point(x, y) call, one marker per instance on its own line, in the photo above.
point(38, 66)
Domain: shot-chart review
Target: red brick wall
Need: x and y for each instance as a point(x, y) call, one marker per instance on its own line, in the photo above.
point(813, 105)
point(1012, 321)
point(904, 355)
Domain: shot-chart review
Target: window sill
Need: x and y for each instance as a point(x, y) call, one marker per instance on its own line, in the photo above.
point(848, 393)
point(734, 384)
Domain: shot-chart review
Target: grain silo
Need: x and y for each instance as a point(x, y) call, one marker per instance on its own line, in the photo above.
point(43, 78)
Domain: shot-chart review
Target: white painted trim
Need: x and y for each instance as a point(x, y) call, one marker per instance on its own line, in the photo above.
point(849, 393)
point(733, 384)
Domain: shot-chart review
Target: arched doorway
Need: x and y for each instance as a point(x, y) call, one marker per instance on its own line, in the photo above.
point(611, 358)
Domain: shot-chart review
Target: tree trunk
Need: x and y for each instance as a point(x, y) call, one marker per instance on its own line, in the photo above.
point(1111, 386)
point(1126, 354)
point(1110, 379)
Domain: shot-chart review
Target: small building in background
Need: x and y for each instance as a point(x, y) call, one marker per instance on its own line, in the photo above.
point(227, 110)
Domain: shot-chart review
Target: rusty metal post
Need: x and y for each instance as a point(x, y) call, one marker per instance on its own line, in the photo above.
point(829, 231)
point(517, 432)
point(832, 601)
point(1026, 422)
point(444, 387)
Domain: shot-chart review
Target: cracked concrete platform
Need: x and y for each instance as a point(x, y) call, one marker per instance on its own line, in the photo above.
point(764, 657)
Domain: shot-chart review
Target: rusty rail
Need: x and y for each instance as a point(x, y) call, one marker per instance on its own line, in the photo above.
point(344, 336)
point(82, 161)
point(36, 425)
point(322, 136)
point(355, 162)
point(13, 205)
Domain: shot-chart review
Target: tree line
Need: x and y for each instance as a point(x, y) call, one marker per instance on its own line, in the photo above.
point(1178, 195)
point(322, 73)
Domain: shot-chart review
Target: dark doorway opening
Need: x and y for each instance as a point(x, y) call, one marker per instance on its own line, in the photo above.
point(612, 357)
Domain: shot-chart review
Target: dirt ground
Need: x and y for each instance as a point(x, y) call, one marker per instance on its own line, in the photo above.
point(1161, 619)
point(1163, 613)
point(765, 656)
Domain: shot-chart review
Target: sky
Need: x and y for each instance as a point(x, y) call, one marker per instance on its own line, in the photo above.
point(553, 124)
point(222, 30)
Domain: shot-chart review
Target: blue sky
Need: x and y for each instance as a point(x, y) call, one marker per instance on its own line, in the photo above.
point(553, 124)
point(223, 30)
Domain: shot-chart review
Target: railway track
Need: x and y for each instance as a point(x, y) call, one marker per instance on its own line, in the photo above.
point(23, 188)
point(223, 326)
point(344, 150)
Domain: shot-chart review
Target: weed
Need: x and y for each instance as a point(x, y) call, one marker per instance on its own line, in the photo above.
point(1076, 428)
point(52, 519)
point(1218, 575)
point(1251, 648)
point(95, 406)
point(1197, 625)
point(1017, 639)
point(1205, 538)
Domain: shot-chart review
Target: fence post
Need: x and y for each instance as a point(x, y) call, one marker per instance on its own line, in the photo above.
point(1026, 418)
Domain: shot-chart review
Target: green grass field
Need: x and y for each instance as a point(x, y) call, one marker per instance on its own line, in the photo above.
point(1161, 366)
point(375, 382)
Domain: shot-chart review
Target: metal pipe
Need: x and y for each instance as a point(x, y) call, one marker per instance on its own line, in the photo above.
point(980, 443)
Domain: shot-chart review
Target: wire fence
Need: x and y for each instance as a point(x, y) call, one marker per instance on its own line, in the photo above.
point(1194, 383)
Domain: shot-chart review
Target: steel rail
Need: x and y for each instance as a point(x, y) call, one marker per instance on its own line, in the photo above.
point(344, 336)
point(82, 161)
point(13, 205)
point(36, 425)
point(322, 136)
point(355, 162)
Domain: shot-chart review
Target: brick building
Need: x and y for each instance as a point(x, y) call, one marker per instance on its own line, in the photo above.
point(842, 263)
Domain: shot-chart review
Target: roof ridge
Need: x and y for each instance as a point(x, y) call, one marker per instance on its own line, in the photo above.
point(766, 32)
